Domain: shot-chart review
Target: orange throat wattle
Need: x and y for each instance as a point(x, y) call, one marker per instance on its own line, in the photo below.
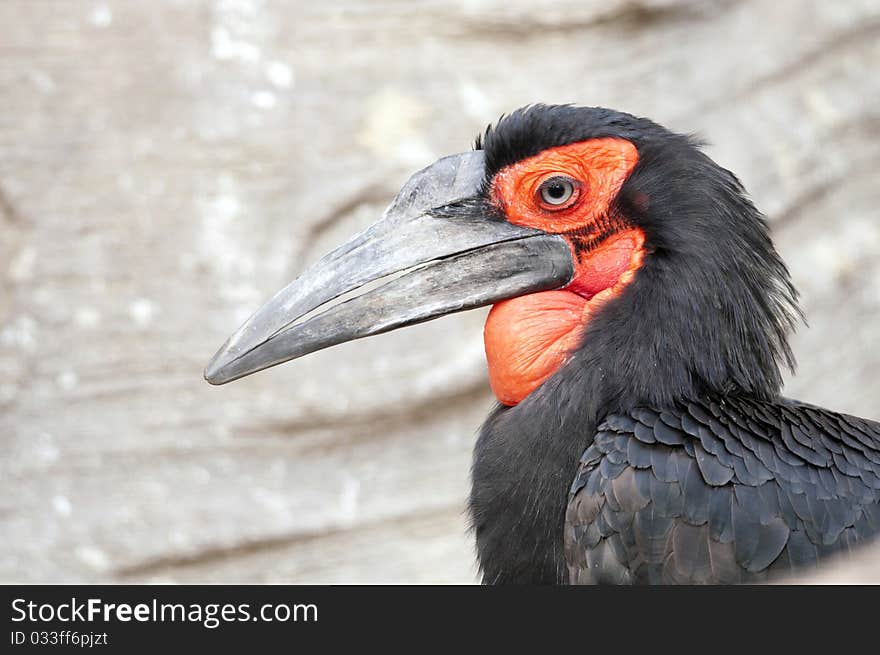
point(529, 338)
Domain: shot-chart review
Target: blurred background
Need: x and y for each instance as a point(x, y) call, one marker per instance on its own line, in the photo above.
point(165, 166)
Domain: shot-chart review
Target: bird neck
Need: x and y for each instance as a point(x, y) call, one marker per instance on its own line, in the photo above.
point(687, 327)
point(712, 307)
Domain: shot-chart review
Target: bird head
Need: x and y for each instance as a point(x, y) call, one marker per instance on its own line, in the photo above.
point(606, 244)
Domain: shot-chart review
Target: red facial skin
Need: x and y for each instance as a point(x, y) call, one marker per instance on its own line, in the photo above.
point(529, 338)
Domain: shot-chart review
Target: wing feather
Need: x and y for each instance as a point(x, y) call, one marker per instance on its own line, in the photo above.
point(724, 490)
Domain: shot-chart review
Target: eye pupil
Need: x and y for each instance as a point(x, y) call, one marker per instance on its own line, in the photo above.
point(557, 191)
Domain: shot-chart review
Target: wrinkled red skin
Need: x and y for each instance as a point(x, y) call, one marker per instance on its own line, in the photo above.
point(527, 339)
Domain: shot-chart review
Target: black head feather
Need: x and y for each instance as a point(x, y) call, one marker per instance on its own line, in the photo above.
point(532, 129)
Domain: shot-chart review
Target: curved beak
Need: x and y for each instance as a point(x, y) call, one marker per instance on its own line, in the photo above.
point(437, 249)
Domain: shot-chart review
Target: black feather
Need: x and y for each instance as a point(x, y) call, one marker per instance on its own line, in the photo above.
point(684, 517)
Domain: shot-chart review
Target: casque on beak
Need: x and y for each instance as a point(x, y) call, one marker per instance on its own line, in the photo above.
point(451, 253)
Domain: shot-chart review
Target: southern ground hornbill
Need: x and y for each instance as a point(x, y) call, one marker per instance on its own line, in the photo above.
point(641, 316)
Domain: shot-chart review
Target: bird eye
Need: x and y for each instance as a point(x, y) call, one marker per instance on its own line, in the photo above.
point(557, 192)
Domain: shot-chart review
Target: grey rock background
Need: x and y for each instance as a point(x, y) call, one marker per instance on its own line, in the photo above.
point(167, 165)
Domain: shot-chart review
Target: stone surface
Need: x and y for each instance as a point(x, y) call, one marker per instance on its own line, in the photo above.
point(167, 165)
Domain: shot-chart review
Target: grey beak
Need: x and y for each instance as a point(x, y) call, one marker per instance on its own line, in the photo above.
point(454, 254)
